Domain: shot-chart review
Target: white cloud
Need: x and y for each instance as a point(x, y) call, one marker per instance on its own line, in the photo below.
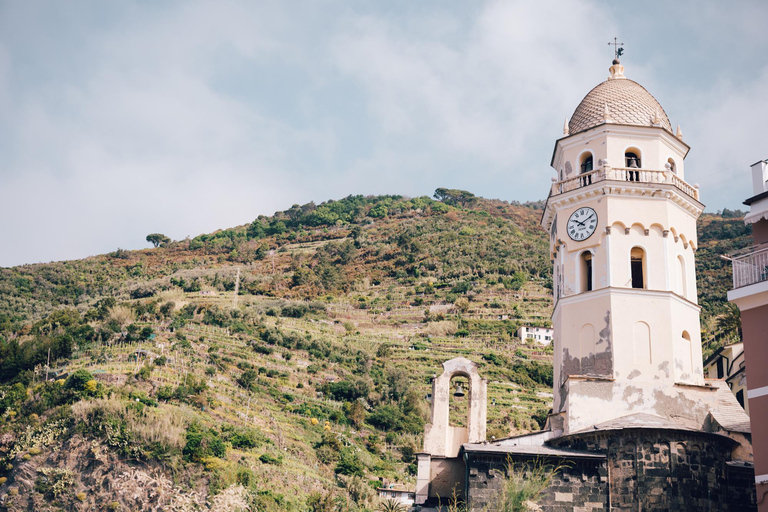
point(124, 119)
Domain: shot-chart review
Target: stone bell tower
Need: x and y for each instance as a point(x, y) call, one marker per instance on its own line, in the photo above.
point(622, 225)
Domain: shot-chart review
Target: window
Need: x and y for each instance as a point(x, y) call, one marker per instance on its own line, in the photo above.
point(632, 161)
point(586, 271)
point(740, 397)
point(720, 369)
point(672, 166)
point(637, 265)
point(586, 166)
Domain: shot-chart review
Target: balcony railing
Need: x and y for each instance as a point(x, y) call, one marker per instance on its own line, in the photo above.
point(626, 174)
point(750, 268)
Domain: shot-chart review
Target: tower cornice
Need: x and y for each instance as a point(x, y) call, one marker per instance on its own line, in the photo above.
point(608, 182)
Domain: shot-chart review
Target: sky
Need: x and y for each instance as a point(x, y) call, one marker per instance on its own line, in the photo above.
point(124, 118)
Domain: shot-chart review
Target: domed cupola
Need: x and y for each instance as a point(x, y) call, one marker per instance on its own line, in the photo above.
point(618, 100)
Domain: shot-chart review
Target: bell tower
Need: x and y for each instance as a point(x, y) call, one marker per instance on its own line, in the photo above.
point(622, 226)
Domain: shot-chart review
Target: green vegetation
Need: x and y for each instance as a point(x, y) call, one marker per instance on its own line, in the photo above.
point(312, 382)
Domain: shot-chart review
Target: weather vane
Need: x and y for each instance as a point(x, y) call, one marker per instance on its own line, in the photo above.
point(618, 48)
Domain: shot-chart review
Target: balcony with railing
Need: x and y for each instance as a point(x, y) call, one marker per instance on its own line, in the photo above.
point(750, 267)
point(628, 175)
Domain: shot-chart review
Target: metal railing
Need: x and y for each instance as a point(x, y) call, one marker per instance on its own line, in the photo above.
point(627, 174)
point(750, 268)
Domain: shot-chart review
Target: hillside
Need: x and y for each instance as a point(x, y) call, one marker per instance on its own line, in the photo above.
point(309, 385)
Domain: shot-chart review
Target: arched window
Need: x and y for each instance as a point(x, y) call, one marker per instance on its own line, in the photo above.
point(586, 166)
point(632, 161)
point(637, 267)
point(458, 399)
point(672, 166)
point(586, 271)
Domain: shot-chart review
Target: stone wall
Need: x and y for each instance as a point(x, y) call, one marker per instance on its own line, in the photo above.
point(657, 469)
point(579, 485)
point(644, 470)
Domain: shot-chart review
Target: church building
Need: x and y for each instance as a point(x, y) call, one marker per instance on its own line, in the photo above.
point(635, 425)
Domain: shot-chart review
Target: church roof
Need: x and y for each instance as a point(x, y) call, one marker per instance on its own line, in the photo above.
point(529, 450)
point(729, 414)
point(618, 100)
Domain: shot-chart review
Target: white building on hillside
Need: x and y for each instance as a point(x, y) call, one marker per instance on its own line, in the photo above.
point(541, 335)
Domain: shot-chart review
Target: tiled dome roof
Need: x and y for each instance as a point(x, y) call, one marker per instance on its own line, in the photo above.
point(628, 103)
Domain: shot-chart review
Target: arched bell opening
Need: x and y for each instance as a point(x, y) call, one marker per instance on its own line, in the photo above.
point(632, 161)
point(586, 165)
point(458, 409)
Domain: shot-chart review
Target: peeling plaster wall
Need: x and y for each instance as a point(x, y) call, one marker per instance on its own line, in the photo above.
point(590, 402)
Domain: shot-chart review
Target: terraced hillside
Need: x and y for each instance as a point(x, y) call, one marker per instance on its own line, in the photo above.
point(280, 365)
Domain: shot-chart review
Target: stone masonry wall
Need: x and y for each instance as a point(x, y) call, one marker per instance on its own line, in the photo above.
point(644, 470)
point(655, 470)
point(578, 486)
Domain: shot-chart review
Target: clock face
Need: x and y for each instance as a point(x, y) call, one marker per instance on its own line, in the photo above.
point(582, 223)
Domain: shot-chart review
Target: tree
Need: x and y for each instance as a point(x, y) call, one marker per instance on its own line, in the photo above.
point(454, 196)
point(349, 464)
point(158, 239)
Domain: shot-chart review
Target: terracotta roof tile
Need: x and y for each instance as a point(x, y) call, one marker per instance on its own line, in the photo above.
point(628, 103)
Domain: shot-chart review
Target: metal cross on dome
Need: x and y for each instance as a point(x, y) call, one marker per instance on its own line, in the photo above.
point(618, 48)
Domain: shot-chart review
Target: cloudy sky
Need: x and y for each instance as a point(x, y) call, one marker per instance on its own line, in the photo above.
point(119, 119)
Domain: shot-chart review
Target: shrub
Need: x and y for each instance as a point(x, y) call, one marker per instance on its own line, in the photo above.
point(266, 458)
point(243, 437)
point(78, 380)
point(347, 391)
point(202, 442)
point(294, 311)
point(349, 464)
point(391, 418)
point(53, 482)
point(165, 393)
point(145, 373)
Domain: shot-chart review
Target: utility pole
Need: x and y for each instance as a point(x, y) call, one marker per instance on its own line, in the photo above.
point(48, 364)
point(237, 288)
